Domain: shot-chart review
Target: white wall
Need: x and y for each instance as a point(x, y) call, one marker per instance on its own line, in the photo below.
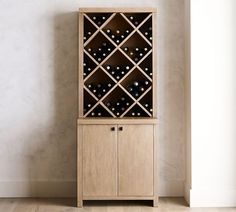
point(38, 72)
point(213, 100)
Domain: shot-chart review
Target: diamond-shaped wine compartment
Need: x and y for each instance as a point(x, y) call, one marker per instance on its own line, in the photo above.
point(118, 65)
point(136, 47)
point(99, 18)
point(99, 111)
point(89, 66)
point(99, 83)
point(118, 29)
point(146, 29)
point(89, 102)
point(146, 102)
point(89, 29)
point(136, 18)
point(146, 65)
point(136, 83)
point(99, 48)
point(118, 101)
point(136, 111)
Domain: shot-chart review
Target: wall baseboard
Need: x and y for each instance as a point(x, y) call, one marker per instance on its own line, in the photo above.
point(68, 188)
point(37, 189)
point(212, 198)
point(171, 188)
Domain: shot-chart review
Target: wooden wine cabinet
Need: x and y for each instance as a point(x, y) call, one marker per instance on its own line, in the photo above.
point(117, 123)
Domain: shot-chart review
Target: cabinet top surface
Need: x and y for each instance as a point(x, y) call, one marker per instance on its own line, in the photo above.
point(117, 9)
point(117, 121)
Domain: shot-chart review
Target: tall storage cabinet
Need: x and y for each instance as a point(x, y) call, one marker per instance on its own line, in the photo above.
point(117, 145)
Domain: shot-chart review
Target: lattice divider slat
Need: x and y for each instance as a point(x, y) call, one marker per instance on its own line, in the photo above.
point(118, 47)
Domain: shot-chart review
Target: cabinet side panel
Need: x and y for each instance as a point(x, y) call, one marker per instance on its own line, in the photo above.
point(99, 161)
point(135, 147)
point(80, 63)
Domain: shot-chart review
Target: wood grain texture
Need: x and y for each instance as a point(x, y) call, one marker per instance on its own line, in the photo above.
point(99, 160)
point(135, 156)
point(105, 121)
point(68, 205)
point(115, 10)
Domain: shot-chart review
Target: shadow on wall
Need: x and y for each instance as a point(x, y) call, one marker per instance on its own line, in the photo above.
point(53, 165)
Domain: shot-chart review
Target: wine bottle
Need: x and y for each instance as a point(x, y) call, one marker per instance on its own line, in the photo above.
point(92, 114)
point(130, 89)
point(127, 31)
point(122, 72)
point(150, 28)
point(117, 68)
point(108, 31)
point(133, 113)
point(127, 103)
point(138, 114)
point(137, 49)
point(117, 77)
point(89, 49)
point(136, 59)
point(146, 105)
point(136, 23)
point(108, 49)
point(85, 38)
point(117, 103)
point(146, 82)
point(150, 38)
point(126, 49)
point(89, 33)
point(90, 86)
point(103, 18)
point(141, 88)
point(109, 85)
point(122, 37)
point(99, 114)
point(127, 68)
point(117, 113)
point(113, 109)
point(108, 104)
point(104, 44)
point(145, 49)
point(122, 98)
point(94, 18)
point(136, 83)
point(136, 94)
point(113, 36)
point(117, 31)
point(146, 69)
point(89, 105)
point(108, 67)
point(131, 18)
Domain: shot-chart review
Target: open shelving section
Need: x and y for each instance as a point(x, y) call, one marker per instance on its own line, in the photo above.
point(117, 76)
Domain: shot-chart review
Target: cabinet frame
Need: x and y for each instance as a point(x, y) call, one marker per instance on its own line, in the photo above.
point(115, 121)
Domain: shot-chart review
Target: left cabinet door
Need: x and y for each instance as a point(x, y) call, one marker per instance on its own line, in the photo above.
point(99, 160)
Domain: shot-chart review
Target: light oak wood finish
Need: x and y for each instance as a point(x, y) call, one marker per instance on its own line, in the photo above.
point(117, 10)
point(99, 160)
point(133, 121)
point(117, 165)
point(135, 155)
point(68, 205)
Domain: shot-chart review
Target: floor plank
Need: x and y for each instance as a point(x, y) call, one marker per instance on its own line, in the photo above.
point(69, 205)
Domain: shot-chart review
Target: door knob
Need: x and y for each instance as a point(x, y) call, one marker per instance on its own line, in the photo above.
point(120, 128)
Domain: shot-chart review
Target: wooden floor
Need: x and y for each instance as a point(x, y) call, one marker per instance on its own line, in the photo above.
point(68, 205)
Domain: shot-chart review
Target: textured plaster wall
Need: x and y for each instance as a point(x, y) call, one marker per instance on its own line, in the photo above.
point(38, 91)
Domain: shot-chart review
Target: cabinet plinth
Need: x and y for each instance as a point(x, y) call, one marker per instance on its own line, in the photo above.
point(117, 121)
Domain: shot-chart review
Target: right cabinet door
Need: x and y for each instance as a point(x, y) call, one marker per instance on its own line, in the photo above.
point(135, 160)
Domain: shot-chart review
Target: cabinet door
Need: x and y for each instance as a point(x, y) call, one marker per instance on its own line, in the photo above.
point(99, 160)
point(135, 155)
